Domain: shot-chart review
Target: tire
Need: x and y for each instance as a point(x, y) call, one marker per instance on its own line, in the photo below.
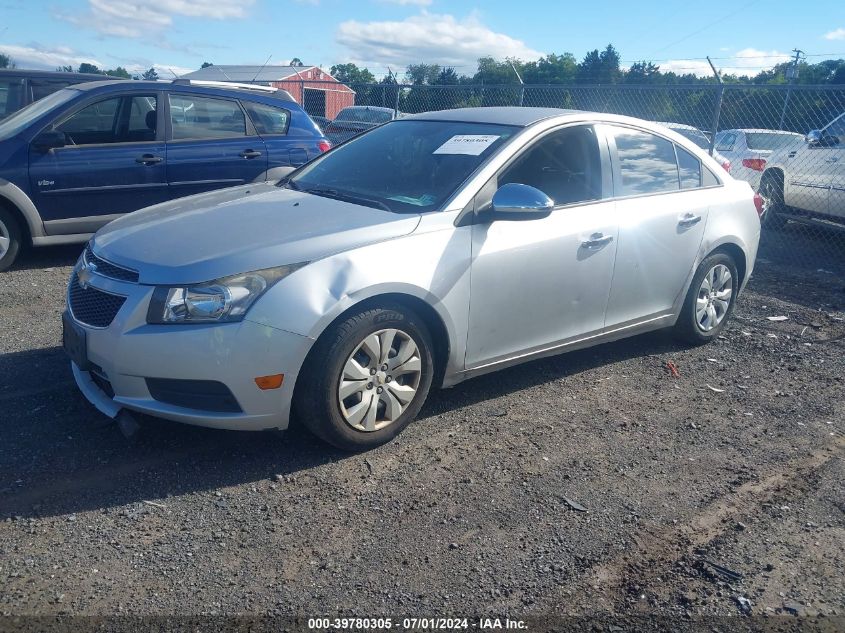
point(351, 423)
point(696, 326)
point(11, 238)
point(771, 189)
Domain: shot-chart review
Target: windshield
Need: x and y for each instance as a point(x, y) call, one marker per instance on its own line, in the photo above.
point(21, 119)
point(769, 140)
point(404, 166)
point(364, 115)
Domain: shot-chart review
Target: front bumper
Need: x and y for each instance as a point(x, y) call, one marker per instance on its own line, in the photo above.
point(129, 351)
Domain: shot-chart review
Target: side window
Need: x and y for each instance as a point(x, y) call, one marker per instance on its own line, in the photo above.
point(646, 163)
point(41, 88)
point(93, 124)
point(195, 117)
point(11, 96)
point(267, 119)
point(689, 169)
point(116, 120)
point(725, 142)
point(565, 165)
point(142, 119)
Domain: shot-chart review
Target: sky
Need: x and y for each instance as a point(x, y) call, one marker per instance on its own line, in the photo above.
point(742, 36)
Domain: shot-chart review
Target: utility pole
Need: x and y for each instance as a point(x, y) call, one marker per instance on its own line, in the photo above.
point(792, 75)
point(717, 109)
point(521, 83)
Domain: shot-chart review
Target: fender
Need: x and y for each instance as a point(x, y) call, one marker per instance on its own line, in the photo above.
point(13, 194)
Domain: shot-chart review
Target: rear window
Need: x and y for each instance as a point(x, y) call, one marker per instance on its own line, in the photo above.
point(11, 96)
point(768, 140)
point(195, 117)
point(267, 119)
point(647, 163)
point(364, 115)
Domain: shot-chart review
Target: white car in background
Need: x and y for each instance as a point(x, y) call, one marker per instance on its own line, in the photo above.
point(699, 138)
point(748, 150)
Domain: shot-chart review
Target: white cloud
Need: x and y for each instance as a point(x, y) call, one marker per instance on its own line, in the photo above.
point(748, 61)
point(838, 34)
point(137, 18)
point(46, 58)
point(428, 37)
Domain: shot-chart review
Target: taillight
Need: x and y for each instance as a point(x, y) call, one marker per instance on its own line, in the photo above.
point(726, 166)
point(324, 145)
point(757, 164)
point(758, 202)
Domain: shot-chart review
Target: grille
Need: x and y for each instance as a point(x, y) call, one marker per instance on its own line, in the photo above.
point(91, 306)
point(107, 269)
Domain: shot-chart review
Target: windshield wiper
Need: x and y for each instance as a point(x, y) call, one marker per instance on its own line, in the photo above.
point(289, 184)
point(348, 197)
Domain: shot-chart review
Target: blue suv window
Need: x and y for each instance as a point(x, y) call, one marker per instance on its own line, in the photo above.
point(195, 117)
point(267, 119)
point(115, 120)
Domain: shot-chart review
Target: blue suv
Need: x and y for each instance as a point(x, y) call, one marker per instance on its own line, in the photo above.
point(85, 155)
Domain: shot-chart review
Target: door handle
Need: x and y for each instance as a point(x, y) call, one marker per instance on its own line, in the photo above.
point(597, 240)
point(689, 219)
point(148, 159)
point(249, 153)
point(832, 159)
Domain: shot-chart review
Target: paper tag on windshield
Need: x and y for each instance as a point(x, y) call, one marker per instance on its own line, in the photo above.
point(468, 144)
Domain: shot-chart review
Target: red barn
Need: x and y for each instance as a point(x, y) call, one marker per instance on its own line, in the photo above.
point(315, 90)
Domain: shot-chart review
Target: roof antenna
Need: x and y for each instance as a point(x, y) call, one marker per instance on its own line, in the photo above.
point(175, 76)
point(260, 69)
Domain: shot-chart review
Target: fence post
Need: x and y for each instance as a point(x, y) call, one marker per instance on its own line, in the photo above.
point(717, 111)
point(396, 103)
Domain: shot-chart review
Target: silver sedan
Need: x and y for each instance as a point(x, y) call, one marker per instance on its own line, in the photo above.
point(427, 251)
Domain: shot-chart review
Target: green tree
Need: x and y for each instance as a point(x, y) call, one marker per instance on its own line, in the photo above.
point(296, 62)
point(120, 72)
point(643, 73)
point(6, 61)
point(447, 77)
point(150, 75)
point(351, 74)
point(206, 64)
point(85, 67)
point(64, 69)
point(551, 69)
point(422, 74)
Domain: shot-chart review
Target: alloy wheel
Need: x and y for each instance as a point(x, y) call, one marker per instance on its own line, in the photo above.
point(5, 239)
point(714, 298)
point(380, 379)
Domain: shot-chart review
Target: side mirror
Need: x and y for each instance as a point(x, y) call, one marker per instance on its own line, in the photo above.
point(813, 137)
point(515, 201)
point(48, 140)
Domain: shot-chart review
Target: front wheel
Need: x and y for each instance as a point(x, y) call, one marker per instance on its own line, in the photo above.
point(367, 378)
point(11, 238)
point(710, 300)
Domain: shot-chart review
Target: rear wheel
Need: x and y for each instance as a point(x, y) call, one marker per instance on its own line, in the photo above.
point(367, 378)
point(710, 300)
point(11, 237)
point(771, 190)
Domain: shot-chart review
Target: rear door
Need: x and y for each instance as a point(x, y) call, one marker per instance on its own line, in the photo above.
point(113, 163)
point(662, 212)
point(211, 144)
point(273, 124)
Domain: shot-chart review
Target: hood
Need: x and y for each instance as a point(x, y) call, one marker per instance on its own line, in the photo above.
point(221, 233)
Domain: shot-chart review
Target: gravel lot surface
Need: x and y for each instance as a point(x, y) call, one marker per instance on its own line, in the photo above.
point(719, 492)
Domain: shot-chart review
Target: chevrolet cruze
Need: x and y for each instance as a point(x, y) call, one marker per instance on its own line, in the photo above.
point(427, 251)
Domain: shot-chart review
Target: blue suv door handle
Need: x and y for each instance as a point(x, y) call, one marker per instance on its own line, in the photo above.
point(250, 153)
point(148, 159)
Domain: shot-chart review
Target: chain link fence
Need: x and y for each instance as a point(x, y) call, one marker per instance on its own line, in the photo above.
point(756, 132)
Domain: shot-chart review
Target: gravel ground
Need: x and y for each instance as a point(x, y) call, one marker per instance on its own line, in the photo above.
point(719, 492)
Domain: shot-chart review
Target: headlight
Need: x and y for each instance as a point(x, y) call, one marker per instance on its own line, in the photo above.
point(219, 301)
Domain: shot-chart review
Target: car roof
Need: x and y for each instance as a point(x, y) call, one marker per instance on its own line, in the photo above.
point(214, 88)
point(513, 115)
point(758, 130)
point(51, 74)
point(366, 107)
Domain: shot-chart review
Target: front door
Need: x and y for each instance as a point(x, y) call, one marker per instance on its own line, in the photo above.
point(662, 216)
point(211, 145)
point(538, 283)
point(114, 162)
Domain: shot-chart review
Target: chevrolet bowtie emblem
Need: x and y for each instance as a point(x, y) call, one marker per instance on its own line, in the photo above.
point(84, 275)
